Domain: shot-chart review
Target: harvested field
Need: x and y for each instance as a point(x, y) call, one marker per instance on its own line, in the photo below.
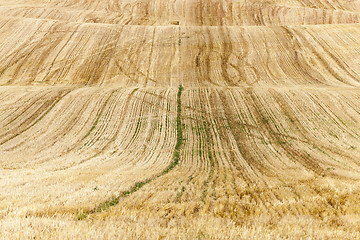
point(179, 119)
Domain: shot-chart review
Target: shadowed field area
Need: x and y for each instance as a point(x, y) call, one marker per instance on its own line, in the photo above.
point(194, 119)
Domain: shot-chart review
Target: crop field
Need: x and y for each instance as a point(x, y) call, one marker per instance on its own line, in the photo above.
point(181, 119)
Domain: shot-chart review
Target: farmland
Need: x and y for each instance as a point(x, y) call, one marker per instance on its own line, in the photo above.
point(155, 119)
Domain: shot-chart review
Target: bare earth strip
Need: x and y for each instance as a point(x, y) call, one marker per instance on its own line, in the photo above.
point(179, 119)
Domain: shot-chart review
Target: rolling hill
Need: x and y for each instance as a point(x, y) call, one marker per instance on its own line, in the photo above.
point(194, 119)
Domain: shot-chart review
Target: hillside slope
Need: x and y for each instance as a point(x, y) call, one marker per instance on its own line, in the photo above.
point(179, 119)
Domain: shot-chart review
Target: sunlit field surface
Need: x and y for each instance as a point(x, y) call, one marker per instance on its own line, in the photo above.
point(183, 119)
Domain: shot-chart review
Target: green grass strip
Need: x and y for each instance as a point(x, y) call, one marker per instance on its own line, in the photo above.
point(176, 159)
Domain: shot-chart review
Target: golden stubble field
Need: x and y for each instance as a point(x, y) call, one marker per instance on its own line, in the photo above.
point(193, 119)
